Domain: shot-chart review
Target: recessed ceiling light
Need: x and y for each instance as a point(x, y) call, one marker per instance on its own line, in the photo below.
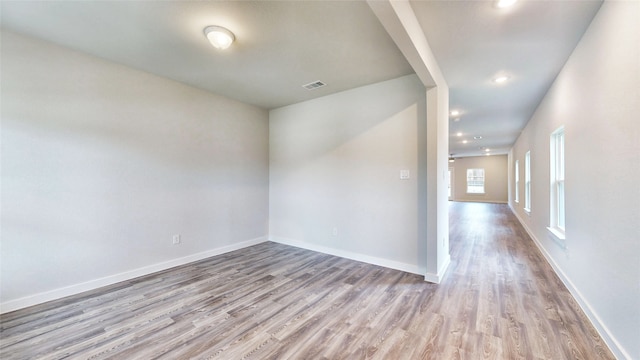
point(488, 154)
point(504, 3)
point(219, 37)
point(487, 149)
point(464, 141)
point(459, 134)
point(501, 79)
point(477, 137)
point(455, 112)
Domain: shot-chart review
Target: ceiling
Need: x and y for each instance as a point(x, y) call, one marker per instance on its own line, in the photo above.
point(474, 41)
point(282, 45)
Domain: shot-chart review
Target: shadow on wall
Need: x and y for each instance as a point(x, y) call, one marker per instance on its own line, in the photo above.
point(335, 162)
point(359, 112)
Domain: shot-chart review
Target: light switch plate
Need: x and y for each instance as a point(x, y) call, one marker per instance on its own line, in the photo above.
point(404, 174)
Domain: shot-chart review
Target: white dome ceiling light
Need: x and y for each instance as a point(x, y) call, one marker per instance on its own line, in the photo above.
point(219, 37)
point(505, 3)
point(501, 79)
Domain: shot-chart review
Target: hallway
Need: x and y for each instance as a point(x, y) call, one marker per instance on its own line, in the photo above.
point(510, 291)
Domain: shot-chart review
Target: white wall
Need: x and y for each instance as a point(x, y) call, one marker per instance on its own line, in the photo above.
point(102, 164)
point(597, 98)
point(495, 172)
point(401, 23)
point(335, 163)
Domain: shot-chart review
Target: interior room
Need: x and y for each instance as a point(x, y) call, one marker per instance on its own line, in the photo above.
point(319, 179)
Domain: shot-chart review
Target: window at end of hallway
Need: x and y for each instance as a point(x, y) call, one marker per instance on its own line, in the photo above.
point(527, 182)
point(557, 190)
point(475, 181)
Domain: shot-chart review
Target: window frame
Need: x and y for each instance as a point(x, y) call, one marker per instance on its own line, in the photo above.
point(557, 188)
point(527, 181)
point(476, 178)
point(451, 176)
point(517, 181)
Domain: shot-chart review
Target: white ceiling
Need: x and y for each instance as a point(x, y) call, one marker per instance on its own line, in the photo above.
point(474, 41)
point(282, 45)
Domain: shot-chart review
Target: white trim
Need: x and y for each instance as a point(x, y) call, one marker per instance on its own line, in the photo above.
point(55, 294)
point(558, 237)
point(391, 264)
point(437, 278)
point(597, 323)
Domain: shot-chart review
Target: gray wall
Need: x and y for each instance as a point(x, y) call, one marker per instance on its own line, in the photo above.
point(335, 163)
point(495, 184)
point(102, 164)
point(597, 99)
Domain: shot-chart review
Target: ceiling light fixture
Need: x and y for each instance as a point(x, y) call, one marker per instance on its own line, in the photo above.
point(464, 141)
point(451, 158)
point(219, 37)
point(459, 134)
point(505, 3)
point(455, 112)
point(487, 149)
point(500, 79)
point(477, 137)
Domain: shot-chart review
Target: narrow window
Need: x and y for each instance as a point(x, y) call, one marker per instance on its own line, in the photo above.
point(556, 220)
point(517, 177)
point(475, 181)
point(527, 181)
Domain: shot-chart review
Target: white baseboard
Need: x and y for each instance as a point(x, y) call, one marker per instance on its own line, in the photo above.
point(40, 298)
point(396, 265)
point(597, 323)
point(437, 278)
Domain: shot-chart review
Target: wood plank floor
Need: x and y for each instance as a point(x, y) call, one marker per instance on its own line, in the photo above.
point(499, 300)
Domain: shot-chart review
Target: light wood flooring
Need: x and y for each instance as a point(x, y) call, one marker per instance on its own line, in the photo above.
point(499, 300)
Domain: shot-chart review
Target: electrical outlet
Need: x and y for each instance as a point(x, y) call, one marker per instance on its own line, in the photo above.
point(176, 239)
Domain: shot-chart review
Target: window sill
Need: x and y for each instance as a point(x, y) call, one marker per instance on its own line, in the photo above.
point(527, 211)
point(558, 236)
point(476, 193)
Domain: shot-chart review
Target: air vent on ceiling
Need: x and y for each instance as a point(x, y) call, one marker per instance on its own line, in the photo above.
point(314, 85)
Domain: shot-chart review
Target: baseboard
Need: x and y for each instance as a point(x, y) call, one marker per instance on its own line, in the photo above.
point(597, 323)
point(124, 276)
point(396, 265)
point(437, 278)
